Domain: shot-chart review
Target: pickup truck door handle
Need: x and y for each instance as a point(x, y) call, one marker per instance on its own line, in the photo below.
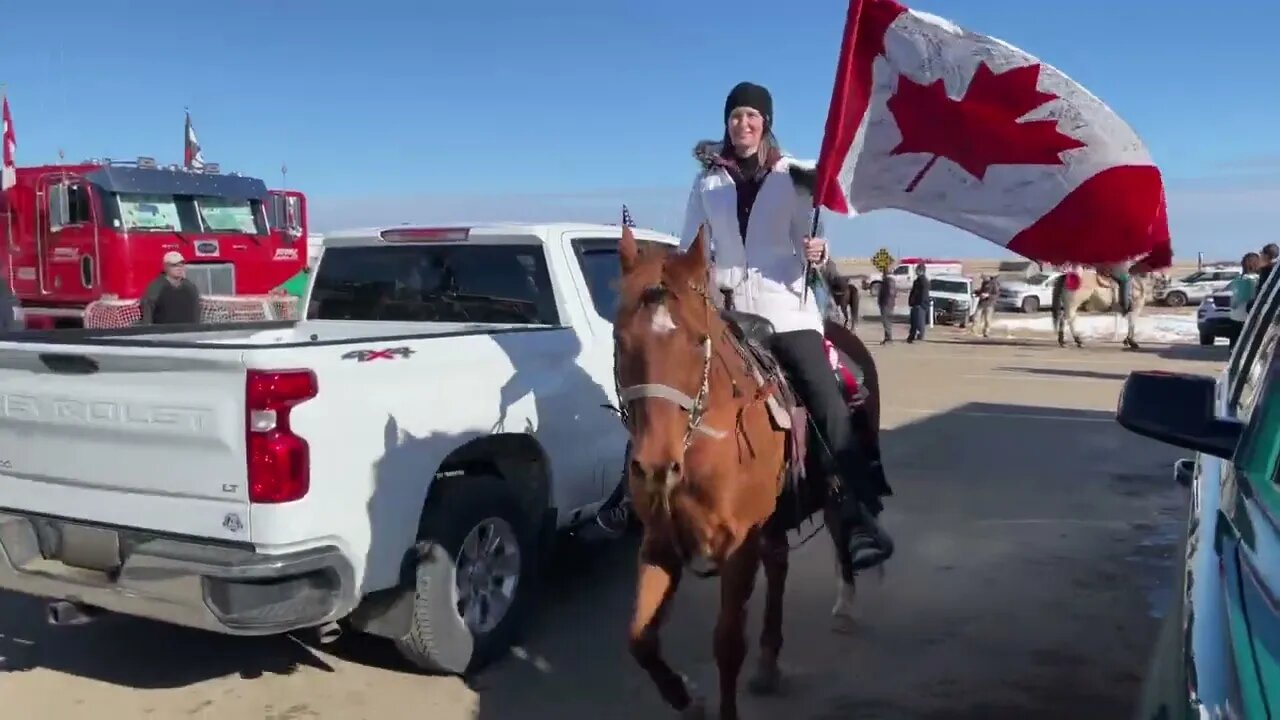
point(69, 364)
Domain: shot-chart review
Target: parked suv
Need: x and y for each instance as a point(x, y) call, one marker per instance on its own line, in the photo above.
point(1213, 318)
point(1196, 286)
point(1028, 295)
point(952, 299)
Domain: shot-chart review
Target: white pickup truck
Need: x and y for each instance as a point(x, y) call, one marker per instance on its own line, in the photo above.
point(397, 461)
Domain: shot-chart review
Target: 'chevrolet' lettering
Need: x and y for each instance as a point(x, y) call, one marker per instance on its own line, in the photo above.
point(68, 411)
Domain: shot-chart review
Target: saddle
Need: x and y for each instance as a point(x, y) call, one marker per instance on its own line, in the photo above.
point(798, 500)
point(753, 333)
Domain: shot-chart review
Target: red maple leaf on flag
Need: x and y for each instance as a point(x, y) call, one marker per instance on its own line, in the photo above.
point(980, 129)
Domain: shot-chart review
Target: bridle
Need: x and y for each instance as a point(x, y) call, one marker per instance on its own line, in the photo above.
point(694, 405)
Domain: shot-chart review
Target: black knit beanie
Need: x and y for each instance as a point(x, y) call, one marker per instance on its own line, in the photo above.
point(756, 97)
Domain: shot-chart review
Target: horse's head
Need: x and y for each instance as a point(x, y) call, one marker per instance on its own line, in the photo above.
point(663, 352)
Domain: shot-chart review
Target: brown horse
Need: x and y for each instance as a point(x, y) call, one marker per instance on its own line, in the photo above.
point(712, 450)
point(844, 294)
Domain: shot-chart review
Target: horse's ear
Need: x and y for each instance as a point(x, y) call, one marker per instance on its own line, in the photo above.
point(628, 250)
point(694, 260)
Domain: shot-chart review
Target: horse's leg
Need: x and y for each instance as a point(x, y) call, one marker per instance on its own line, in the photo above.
point(1129, 339)
point(842, 613)
point(1072, 309)
point(659, 577)
point(737, 580)
point(1060, 322)
point(774, 555)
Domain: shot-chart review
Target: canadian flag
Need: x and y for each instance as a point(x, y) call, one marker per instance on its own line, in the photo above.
point(191, 156)
point(971, 131)
point(8, 168)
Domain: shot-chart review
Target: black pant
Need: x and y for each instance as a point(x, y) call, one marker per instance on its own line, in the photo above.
point(917, 322)
point(804, 359)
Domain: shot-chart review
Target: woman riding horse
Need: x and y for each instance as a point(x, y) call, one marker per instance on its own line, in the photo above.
point(754, 202)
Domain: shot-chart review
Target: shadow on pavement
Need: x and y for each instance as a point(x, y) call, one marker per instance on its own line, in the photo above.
point(1028, 573)
point(1018, 589)
point(137, 653)
point(1066, 373)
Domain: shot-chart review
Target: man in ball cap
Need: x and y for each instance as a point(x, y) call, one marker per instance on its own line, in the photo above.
point(171, 297)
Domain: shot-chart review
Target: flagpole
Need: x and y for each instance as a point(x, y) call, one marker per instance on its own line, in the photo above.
point(808, 266)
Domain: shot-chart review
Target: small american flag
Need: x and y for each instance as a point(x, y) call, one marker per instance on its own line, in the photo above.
point(626, 218)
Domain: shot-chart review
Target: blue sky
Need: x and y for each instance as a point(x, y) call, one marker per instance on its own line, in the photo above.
point(387, 111)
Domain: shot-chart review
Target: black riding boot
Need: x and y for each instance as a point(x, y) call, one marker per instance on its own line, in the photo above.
point(804, 358)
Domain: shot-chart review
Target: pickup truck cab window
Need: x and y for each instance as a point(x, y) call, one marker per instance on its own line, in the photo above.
point(503, 283)
point(598, 259)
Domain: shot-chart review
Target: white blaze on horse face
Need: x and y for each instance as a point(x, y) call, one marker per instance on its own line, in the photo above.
point(663, 323)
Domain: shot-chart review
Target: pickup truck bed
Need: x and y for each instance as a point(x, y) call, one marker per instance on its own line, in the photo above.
point(261, 478)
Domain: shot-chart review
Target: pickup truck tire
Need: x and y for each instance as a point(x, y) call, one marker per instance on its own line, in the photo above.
point(475, 511)
point(1175, 298)
point(1030, 304)
point(1207, 339)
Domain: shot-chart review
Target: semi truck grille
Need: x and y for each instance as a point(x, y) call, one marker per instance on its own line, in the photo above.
point(213, 278)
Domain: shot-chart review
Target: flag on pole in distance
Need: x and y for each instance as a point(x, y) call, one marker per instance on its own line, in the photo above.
point(945, 123)
point(191, 156)
point(8, 167)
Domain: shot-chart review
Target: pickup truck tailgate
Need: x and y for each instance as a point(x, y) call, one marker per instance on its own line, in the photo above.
point(129, 436)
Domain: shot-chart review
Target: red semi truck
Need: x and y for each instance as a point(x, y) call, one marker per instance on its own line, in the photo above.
point(96, 231)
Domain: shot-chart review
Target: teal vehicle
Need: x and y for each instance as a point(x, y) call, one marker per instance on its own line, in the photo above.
point(1218, 655)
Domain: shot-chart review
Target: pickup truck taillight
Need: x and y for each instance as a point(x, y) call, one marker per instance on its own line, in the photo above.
point(279, 461)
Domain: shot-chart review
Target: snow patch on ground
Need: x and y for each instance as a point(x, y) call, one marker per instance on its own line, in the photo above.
point(1151, 328)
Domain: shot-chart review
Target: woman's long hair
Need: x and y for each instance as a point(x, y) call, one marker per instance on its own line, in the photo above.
point(769, 152)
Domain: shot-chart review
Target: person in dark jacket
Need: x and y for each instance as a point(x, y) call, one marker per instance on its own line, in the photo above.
point(171, 297)
point(1270, 252)
point(918, 302)
point(886, 298)
point(10, 309)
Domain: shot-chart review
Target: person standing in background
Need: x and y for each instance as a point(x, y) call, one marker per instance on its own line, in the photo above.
point(171, 297)
point(1269, 253)
point(1243, 289)
point(886, 298)
point(988, 291)
point(918, 304)
point(11, 319)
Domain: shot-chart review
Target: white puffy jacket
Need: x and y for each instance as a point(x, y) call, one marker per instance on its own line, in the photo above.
point(766, 273)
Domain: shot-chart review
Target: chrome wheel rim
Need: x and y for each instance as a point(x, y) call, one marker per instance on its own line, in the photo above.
point(488, 574)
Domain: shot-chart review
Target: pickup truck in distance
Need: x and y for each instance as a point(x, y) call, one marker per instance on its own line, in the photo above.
point(397, 461)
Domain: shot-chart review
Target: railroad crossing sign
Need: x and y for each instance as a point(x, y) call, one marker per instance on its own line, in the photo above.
point(882, 260)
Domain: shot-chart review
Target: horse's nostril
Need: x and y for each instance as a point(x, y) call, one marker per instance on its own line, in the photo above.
point(637, 469)
point(675, 468)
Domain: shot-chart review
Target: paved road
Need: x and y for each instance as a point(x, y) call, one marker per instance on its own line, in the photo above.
point(1035, 542)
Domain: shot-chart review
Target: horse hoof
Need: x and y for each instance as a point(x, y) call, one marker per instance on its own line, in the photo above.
point(767, 679)
point(697, 710)
point(843, 624)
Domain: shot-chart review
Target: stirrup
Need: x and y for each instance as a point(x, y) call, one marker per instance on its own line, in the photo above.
point(869, 545)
